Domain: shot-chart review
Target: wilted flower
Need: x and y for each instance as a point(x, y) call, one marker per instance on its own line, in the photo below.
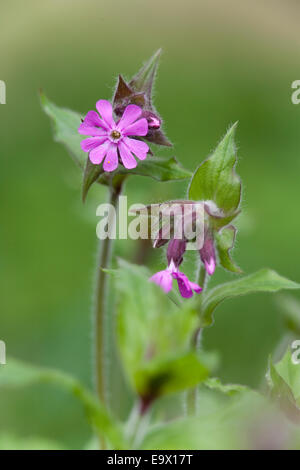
point(164, 279)
point(110, 140)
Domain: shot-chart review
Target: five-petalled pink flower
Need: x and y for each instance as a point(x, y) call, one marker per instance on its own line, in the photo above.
point(111, 141)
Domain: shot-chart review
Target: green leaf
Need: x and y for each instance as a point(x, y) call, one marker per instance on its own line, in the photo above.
point(284, 381)
point(264, 280)
point(65, 125)
point(162, 376)
point(154, 336)
point(225, 426)
point(224, 243)
point(160, 169)
point(215, 179)
point(290, 372)
point(18, 374)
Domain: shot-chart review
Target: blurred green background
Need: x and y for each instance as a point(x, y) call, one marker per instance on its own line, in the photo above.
point(221, 62)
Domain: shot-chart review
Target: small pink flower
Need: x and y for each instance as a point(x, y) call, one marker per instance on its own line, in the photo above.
point(110, 140)
point(185, 286)
point(164, 279)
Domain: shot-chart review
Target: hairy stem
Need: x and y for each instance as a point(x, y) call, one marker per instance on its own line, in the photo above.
point(100, 304)
point(137, 424)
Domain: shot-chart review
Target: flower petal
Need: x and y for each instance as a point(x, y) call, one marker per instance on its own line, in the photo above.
point(127, 158)
point(92, 125)
point(195, 287)
point(130, 115)
point(111, 161)
point(140, 127)
point(163, 279)
point(139, 148)
point(93, 119)
point(92, 131)
point(97, 154)
point(104, 108)
point(89, 144)
point(183, 285)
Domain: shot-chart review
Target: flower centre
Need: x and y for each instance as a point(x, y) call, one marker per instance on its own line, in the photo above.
point(115, 134)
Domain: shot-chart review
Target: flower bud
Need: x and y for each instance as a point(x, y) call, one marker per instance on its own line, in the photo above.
point(175, 251)
point(154, 121)
point(208, 253)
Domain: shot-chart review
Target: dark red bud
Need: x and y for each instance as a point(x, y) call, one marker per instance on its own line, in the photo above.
point(175, 251)
point(153, 120)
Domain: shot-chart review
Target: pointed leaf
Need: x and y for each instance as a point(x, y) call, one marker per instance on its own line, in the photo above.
point(156, 136)
point(122, 92)
point(158, 168)
point(264, 280)
point(65, 125)
point(143, 80)
point(224, 243)
point(139, 92)
point(215, 179)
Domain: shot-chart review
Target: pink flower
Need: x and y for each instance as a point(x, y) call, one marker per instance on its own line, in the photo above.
point(110, 140)
point(164, 279)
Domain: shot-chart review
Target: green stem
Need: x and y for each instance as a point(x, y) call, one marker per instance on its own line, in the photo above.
point(192, 394)
point(137, 425)
point(100, 320)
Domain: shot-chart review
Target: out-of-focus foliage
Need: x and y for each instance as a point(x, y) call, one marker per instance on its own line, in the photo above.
point(154, 336)
point(284, 380)
point(246, 420)
point(264, 280)
point(19, 374)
